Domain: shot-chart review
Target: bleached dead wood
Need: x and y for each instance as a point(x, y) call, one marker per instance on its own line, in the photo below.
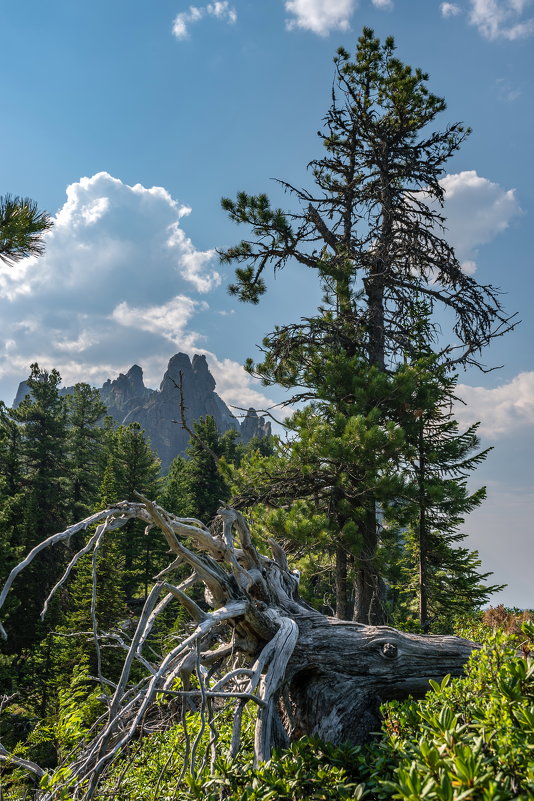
point(304, 672)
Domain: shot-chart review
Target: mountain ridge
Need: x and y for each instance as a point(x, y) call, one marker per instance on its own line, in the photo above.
point(128, 400)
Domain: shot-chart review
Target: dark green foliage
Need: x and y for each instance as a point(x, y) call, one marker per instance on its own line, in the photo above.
point(43, 431)
point(86, 444)
point(22, 226)
point(132, 467)
point(41, 500)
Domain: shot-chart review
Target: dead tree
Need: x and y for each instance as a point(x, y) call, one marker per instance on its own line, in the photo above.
point(306, 674)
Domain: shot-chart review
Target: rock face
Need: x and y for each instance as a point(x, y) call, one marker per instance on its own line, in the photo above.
point(158, 411)
point(125, 393)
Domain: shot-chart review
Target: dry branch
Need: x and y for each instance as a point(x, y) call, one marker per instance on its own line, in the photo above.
point(304, 672)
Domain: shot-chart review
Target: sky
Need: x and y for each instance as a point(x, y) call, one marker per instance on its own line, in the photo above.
point(128, 120)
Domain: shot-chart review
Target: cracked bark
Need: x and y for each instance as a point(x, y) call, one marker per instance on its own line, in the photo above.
point(305, 673)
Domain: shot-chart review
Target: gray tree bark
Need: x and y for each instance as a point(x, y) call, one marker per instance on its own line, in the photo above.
point(304, 672)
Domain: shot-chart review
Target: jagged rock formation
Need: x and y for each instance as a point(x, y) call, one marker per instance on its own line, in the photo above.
point(158, 411)
point(159, 414)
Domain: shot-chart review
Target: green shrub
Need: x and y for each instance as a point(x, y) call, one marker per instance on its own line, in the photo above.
point(469, 739)
point(472, 738)
point(308, 770)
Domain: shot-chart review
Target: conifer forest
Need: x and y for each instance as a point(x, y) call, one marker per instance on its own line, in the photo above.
point(297, 617)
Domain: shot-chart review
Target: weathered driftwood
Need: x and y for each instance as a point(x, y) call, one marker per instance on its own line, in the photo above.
point(256, 642)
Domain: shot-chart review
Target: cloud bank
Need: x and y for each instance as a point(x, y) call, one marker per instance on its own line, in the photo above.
point(120, 282)
point(502, 410)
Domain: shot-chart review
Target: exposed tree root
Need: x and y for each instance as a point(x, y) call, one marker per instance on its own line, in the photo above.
point(259, 643)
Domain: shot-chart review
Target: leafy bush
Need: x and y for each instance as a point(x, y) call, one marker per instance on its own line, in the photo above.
point(470, 739)
point(308, 770)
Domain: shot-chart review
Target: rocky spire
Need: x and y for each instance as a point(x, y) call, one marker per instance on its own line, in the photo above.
point(158, 411)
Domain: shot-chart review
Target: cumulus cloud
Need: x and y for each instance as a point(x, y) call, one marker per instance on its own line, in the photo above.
point(114, 257)
point(221, 9)
point(320, 16)
point(450, 10)
point(502, 19)
point(106, 230)
point(386, 4)
point(120, 283)
point(476, 209)
point(501, 410)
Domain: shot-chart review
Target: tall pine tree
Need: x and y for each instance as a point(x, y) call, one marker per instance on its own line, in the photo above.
point(370, 230)
point(195, 486)
point(86, 449)
point(133, 467)
point(42, 427)
point(440, 577)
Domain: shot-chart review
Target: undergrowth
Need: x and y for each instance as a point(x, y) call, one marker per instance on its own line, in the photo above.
point(469, 739)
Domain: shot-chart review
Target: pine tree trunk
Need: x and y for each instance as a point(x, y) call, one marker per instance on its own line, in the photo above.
point(368, 586)
point(342, 600)
point(423, 588)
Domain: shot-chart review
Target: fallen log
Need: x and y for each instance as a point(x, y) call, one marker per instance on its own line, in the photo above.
point(307, 674)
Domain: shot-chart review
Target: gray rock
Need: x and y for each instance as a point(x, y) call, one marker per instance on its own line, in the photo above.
point(254, 426)
point(158, 411)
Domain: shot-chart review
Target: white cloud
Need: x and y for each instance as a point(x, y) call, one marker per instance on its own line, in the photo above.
point(501, 19)
point(98, 300)
point(387, 4)
point(320, 16)
point(168, 320)
point(476, 210)
point(501, 410)
point(221, 9)
point(450, 9)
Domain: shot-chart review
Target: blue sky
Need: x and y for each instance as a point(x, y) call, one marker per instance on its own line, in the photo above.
point(128, 120)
